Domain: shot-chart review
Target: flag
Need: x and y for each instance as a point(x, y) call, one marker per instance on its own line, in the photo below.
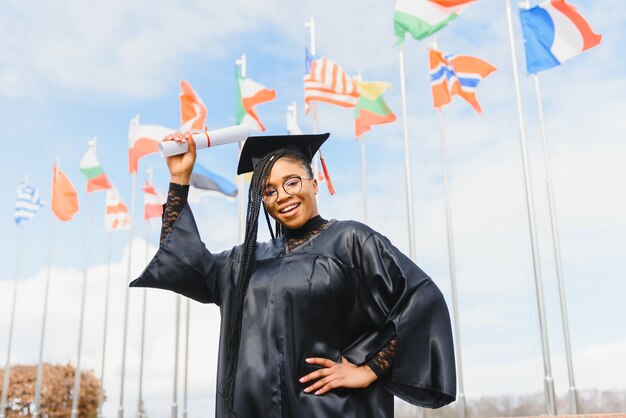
point(90, 167)
point(64, 201)
point(292, 122)
point(143, 140)
point(308, 60)
point(152, 202)
point(27, 203)
point(456, 74)
point(192, 109)
point(327, 82)
point(204, 182)
point(422, 18)
point(554, 32)
point(116, 212)
point(371, 109)
point(249, 94)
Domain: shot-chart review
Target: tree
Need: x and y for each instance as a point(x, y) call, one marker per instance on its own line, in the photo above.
point(56, 392)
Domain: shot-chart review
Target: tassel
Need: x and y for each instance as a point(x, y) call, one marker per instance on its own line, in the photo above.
point(329, 183)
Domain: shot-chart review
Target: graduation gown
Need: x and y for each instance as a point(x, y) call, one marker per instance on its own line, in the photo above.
point(346, 291)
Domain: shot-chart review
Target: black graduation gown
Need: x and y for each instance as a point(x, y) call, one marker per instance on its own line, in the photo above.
point(345, 292)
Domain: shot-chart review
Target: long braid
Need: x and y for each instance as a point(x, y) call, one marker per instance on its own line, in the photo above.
point(259, 179)
point(257, 184)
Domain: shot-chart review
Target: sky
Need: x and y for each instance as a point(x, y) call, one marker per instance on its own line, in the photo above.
point(71, 71)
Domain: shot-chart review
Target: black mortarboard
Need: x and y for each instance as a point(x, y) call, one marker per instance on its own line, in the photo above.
point(258, 147)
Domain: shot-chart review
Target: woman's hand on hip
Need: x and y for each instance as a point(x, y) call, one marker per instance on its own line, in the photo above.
point(181, 165)
point(334, 375)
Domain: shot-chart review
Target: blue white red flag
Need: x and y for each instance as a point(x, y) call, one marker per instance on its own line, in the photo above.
point(456, 75)
point(554, 32)
point(27, 203)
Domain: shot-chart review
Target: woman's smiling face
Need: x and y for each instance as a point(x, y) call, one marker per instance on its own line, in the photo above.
point(292, 211)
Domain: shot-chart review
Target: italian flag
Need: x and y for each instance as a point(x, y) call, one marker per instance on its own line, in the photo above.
point(249, 94)
point(371, 109)
point(90, 167)
point(422, 18)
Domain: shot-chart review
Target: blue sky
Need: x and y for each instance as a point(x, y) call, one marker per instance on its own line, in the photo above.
point(71, 71)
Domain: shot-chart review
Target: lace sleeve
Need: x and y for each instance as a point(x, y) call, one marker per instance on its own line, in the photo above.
point(176, 199)
point(383, 360)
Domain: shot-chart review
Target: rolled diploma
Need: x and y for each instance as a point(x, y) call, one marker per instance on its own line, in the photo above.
point(207, 139)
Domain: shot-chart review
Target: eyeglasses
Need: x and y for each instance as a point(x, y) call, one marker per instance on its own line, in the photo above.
point(291, 186)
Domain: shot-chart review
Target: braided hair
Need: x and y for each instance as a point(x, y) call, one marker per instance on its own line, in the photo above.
point(259, 180)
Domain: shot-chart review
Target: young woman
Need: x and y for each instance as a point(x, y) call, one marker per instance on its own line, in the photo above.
point(327, 319)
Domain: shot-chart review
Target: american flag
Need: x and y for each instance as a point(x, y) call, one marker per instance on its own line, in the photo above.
point(327, 82)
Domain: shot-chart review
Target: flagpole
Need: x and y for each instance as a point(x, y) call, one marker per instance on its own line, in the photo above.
point(548, 380)
point(77, 371)
point(573, 402)
point(134, 124)
point(186, 359)
point(452, 266)
point(140, 407)
point(106, 313)
point(407, 160)
point(240, 179)
point(363, 177)
point(359, 78)
point(7, 370)
point(39, 378)
point(176, 338)
point(311, 25)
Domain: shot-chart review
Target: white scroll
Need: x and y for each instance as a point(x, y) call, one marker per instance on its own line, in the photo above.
point(207, 139)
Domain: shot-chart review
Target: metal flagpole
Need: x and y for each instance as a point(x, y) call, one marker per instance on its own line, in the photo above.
point(7, 369)
point(363, 177)
point(134, 125)
point(77, 371)
point(106, 313)
point(186, 360)
point(548, 380)
point(140, 407)
point(311, 25)
point(452, 265)
point(39, 378)
point(240, 179)
point(359, 78)
point(407, 159)
point(175, 397)
point(573, 402)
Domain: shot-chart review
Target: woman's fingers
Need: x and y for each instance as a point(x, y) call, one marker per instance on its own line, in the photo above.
point(335, 375)
point(316, 375)
point(191, 142)
point(326, 383)
point(324, 362)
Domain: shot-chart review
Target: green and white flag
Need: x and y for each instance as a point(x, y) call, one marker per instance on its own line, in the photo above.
point(422, 18)
point(91, 168)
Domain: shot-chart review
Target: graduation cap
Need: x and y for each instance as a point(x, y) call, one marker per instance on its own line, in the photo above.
point(258, 147)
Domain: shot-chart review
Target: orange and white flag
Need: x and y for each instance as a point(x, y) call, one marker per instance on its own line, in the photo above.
point(192, 109)
point(64, 201)
point(116, 212)
point(143, 140)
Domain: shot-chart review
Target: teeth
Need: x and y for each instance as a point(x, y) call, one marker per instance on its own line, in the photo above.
point(288, 208)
